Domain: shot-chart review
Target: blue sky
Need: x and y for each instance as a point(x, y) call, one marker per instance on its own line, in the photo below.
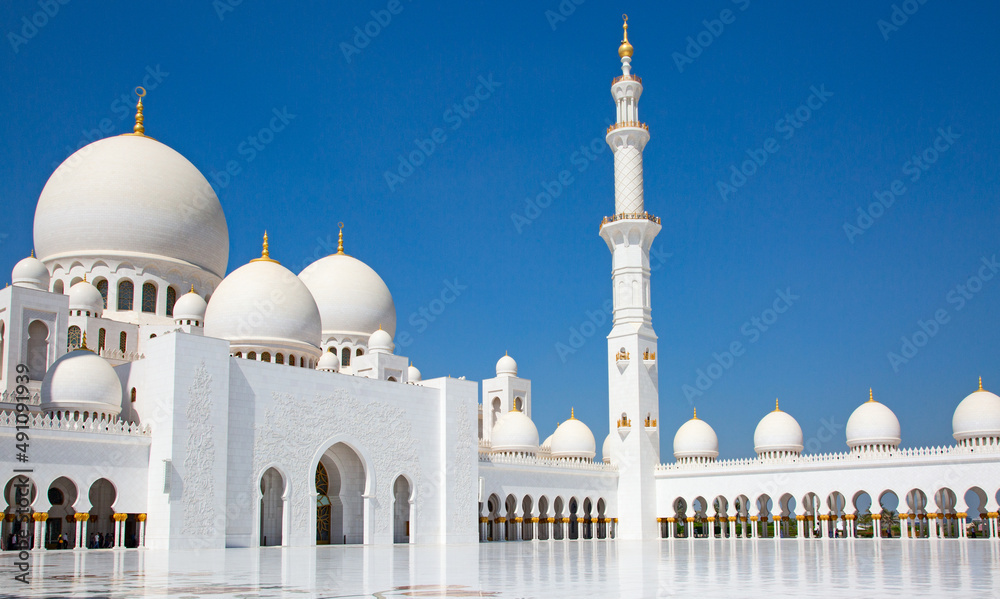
point(921, 84)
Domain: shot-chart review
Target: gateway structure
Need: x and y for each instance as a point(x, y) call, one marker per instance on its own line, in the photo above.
point(157, 400)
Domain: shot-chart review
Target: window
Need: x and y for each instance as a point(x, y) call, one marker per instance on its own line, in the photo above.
point(74, 338)
point(122, 341)
point(279, 359)
point(251, 355)
point(171, 300)
point(265, 357)
point(345, 357)
point(102, 286)
point(38, 349)
point(57, 286)
point(149, 298)
point(133, 394)
point(101, 334)
point(361, 352)
point(238, 354)
point(125, 292)
point(291, 360)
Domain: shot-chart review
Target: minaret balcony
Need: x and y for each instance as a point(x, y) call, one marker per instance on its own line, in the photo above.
point(630, 125)
point(628, 77)
point(622, 360)
point(630, 216)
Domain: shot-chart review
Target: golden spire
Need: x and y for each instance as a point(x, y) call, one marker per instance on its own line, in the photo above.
point(139, 129)
point(264, 255)
point(776, 408)
point(340, 239)
point(32, 252)
point(695, 414)
point(871, 397)
point(514, 408)
point(980, 383)
point(84, 342)
point(192, 288)
point(572, 416)
point(626, 48)
point(84, 277)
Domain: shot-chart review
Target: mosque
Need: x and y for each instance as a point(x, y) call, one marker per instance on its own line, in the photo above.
point(151, 398)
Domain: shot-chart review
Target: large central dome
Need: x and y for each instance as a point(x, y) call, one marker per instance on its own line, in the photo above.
point(134, 199)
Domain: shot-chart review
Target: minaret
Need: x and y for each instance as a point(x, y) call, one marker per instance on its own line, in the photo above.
point(633, 397)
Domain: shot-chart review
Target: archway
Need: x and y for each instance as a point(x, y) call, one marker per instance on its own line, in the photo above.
point(700, 508)
point(602, 516)
point(101, 530)
point(574, 526)
point(810, 512)
point(865, 526)
point(510, 513)
point(680, 518)
point(888, 504)
point(720, 508)
point(401, 510)
point(764, 507)
point(18, 532)
point(493, 532)
point(38, 349)
point(272, 508)
point(916, 500)
point(340, 486)
point(946, 500)
point(60, 528)
point(976, 500)
point(527, 527)
point(558, 530)
point(836, 502)
point(786, 517)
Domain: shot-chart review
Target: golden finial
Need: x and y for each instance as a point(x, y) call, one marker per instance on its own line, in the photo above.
point(626, 48)
point(871, 396)
point(265, 256)
point(980, 383)
point(776, 408)
point(340, 239)
point(32, 252)
point(84, 342)
point(84, 277)
point(572, 416)
point(514, 408)
point(695, 414)
point(139, 129)
point(192, 288)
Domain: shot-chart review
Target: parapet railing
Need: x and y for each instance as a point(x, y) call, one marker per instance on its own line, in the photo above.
point(630, 216)
point(524, 459)
point(75, 423)
point(632, 124)
point(621, 78)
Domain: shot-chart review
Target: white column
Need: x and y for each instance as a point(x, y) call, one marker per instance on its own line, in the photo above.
point(39, 542)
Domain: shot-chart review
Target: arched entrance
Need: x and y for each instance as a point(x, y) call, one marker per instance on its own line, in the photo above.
point(18, 532)
point(101, 530)
point(340, 485)
point(272, 508)
point(401, 510)
point(61, 526)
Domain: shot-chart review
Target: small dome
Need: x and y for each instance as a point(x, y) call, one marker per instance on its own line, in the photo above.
point(573, 439)
point(515, 432)
point(506, 365)
point(696, 439)
point(82, 381)
point(190, 306)
point(381, 341)
point(263, 304)
point(977, 416)
point(352, 299)
point(163, 210)
point(30, 272)
point(778, 432)
point(546, 447)
point(84, 296)
point(412, 374)
point(606, 450)
point(872, 423)
point(328, 362)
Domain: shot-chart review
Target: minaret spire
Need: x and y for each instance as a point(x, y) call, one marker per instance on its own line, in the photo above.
point(340, 239)
point(139, 128)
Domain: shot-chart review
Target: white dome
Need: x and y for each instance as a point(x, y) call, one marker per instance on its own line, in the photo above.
point(137, 200)
point(515, 432)
point(546, 446)
point(264, 304)
point(696, 439)
point(190, 306)
point(872, 423)
point(412, 374)
point(606, 449)
point(977, 416)
point(506, 365)
point(82, 381)
point(328, 362)
point(381, 341)
point(30, 272)
point(352, 298)
point(573, 439)
point(84, 296)
point(777, 432)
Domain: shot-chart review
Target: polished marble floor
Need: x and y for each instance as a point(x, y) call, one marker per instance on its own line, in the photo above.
point(677, 568)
